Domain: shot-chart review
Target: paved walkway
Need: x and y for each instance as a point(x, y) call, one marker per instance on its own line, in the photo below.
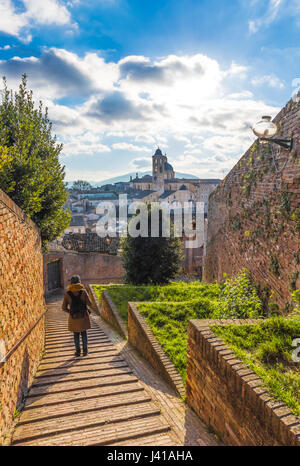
point(110, 397)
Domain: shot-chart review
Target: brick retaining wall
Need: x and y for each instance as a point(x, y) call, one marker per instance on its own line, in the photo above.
point(230, 397)
point(141, 337)
point(21, 304)
point(254, 216)
point(110, 313)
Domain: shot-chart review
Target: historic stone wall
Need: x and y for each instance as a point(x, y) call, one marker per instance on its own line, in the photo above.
point(230, 397)
point(254, 216)
point(21, 305)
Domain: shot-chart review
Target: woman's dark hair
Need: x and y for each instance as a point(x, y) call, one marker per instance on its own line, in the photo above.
point(75, 279)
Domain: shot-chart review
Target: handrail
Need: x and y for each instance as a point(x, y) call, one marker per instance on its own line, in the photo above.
point(13, 349)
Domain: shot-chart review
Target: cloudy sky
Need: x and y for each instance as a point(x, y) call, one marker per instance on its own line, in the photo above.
point(122, 76)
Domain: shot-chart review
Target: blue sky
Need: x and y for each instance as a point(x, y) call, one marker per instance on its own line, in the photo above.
point(123, 76)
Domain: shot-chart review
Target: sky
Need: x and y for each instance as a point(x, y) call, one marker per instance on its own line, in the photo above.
point(121, 77)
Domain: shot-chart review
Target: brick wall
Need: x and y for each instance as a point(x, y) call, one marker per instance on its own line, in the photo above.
point(21, 304)
point(92, 267)
point(231, 398)
point(110, 313)
point(142, 338)
point(254, 215)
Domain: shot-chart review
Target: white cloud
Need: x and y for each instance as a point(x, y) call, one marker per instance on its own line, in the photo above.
point(18, 24)
point(84, 143)
point(141, 163)
point(11, 22)
point(275, 10)
point(50, 12)
point(241, 95)
point(236, 70)
point(90, 175)
point(269, 80)
point(129, 147)
point(191, 103)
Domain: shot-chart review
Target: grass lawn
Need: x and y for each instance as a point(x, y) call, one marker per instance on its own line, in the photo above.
point(169, 321)
point(173, 293)
point(267, 349)
point(168, 308)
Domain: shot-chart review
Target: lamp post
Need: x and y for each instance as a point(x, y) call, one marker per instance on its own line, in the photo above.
point(265, 130)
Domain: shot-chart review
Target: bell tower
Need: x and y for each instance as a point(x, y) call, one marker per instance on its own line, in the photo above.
point(158, 170)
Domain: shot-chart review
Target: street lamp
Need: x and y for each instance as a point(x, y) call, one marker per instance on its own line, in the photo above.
point(266, 129)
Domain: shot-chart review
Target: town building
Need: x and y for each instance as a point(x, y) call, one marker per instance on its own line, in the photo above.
point(168, 188)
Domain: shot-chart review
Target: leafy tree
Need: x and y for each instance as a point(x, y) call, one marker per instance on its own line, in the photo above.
point(153, 259)
point(81, 186)
point(30, 172)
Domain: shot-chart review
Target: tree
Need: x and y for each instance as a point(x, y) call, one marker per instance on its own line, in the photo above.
point(153, 259)
point(30, 172)
point(81, 186)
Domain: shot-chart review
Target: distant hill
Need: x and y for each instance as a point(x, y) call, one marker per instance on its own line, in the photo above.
point(126, 177)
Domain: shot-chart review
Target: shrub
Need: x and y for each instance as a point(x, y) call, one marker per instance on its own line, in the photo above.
point(239, 299)
point(30, 171)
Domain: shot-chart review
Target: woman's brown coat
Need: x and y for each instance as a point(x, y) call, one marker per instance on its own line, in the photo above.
point(77, 325)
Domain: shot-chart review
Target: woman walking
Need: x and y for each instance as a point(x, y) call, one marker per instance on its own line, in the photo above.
point(75, 303)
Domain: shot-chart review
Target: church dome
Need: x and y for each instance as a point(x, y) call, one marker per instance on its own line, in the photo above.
point(168, 167)
point(158, 151)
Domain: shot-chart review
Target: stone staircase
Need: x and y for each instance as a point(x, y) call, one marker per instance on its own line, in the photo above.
point(92, 400)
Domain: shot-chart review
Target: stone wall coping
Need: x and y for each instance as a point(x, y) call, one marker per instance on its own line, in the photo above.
point(12, 206)
point(113, 309)
point(94, 299)
point(247, 376)
point(119, 324)
point(171, 373)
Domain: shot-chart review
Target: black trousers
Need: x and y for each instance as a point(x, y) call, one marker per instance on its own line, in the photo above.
point(77, 341)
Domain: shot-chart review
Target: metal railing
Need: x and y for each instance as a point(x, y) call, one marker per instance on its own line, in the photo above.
point(16, 346)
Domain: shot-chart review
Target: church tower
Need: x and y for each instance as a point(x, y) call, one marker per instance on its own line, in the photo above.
point(158, 170)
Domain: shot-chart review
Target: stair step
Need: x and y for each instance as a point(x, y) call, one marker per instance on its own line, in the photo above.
point(70, 339)
point(60, 398)
point(96, 354)
point(69, 335)
point(156, 440)
point(91, 374)
point(70, 349)
point(79, 362)
point(75, 369)
point(81, 421)
point(75, 385)
point(38, 414)
point(104, 434)
point(70, 343)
